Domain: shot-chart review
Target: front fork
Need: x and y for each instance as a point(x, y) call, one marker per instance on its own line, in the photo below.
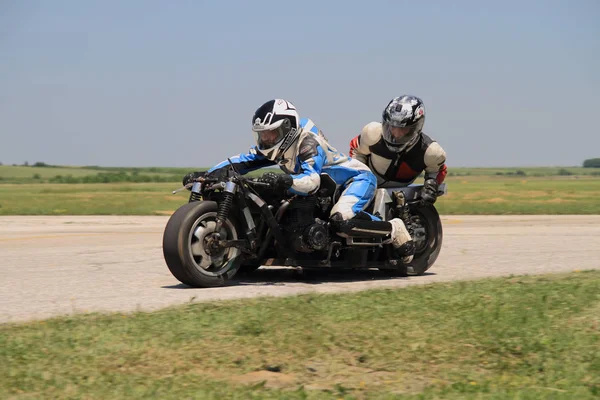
point(195, 194)
point(224, 207)
point(248, 245)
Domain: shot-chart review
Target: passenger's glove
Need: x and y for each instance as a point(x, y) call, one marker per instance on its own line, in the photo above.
point(429, 192)
point(189, 178)
point(278, 182)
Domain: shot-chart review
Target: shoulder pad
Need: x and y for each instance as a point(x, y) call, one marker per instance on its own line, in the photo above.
point(435, 156)
point(308, 147)
point(371, 133)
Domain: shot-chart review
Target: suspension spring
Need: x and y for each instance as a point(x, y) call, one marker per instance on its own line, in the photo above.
point(225, 206)
point(195, 197)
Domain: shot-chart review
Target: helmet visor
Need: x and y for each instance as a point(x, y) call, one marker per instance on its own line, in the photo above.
point(399, 136)
point(269, 135)
point(268, 138)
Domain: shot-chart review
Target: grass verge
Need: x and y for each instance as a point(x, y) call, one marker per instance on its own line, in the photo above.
point(91, 199)
point(518, 337)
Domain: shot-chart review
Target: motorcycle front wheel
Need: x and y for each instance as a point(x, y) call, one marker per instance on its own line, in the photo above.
point(186, 248)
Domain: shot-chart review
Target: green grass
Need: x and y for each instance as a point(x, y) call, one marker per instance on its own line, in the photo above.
point(521, 195)
point(510, 338)
point(466, 195)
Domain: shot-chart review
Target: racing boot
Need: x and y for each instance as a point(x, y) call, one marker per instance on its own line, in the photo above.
point(402, 241)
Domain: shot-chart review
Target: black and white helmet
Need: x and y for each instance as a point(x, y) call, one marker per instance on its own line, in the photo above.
point(276, 127)
point(403, 112)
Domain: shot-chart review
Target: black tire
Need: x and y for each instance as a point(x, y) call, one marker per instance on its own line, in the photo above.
point(428, 251)
point(180, 246)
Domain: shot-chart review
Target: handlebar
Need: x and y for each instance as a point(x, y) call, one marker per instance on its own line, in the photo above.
point(250, 181)
point(257, 183)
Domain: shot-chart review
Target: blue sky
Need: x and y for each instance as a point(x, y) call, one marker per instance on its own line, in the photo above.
point(175, 83)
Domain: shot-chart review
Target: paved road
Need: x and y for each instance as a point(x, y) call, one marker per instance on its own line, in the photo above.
point(64, 265)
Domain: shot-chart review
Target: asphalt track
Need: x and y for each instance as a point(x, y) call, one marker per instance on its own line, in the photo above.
point(69, 264)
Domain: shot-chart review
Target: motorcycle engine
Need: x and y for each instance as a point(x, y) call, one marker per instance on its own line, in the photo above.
point(304, 231)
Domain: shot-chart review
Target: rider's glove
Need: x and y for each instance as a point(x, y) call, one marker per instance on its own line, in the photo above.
point(189, 178)
point(429, 192)
point(277, 181)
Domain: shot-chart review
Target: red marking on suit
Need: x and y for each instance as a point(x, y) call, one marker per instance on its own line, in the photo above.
point(353, 145)
point(405, 172)
point(442, 174)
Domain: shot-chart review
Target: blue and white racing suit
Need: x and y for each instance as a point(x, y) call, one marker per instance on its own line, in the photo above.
point(306, 159)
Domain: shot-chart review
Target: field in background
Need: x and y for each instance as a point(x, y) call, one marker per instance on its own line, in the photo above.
point(517, 337)
point(466, 195)
point(59, 174)
point(90, 174)
point(147, 191)
point(479, 194)
point(97, 174)
point(526, 171)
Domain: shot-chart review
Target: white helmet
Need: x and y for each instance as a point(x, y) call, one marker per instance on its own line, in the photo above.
point(276, 127)
point(403, 112)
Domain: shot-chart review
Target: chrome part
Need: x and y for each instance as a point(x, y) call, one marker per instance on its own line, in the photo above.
point(196, 187)
point(350, 241)
point(208, 260)
point(419, 233)
point(248, 216)
point(380, 199)
point(230, 187)
point(257, 200)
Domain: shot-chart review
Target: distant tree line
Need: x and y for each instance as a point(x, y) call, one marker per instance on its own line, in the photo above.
point(37, 164)
point(114, 177)
point(592, 163)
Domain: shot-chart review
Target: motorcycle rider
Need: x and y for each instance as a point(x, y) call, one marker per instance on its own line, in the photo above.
point(301, 150)
point(397, 150)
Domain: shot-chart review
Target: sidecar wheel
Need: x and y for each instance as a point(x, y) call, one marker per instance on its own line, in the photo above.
point(185, 247)
point(428, 240)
